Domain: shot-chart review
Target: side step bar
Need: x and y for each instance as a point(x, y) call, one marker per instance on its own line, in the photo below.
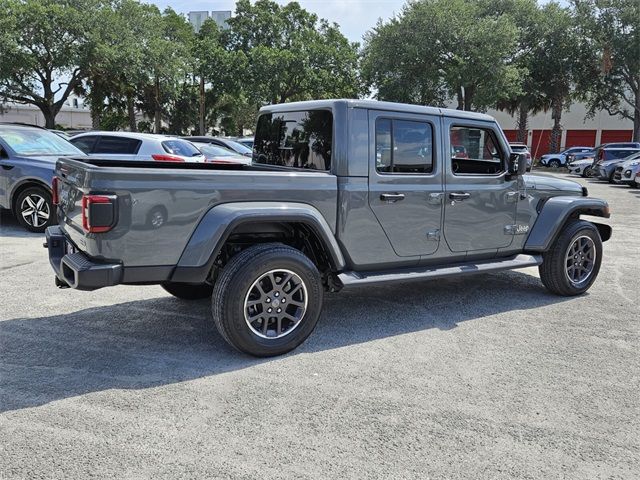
point(354, 279)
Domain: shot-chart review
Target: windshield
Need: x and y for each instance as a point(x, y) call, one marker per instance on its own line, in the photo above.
point(238, 147)
point(27, 142)
point(214, 150)
point(181, 147)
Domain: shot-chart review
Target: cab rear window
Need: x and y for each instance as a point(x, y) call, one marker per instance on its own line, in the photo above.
point(295, 139)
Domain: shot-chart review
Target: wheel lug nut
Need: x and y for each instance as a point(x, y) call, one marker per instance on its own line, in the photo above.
point(283, 300)
point(279, 310)
point(268, 300)
point(269, 310)
point(276, 294)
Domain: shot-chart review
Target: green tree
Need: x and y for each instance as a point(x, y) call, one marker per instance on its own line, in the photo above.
point(441, 49)
point(611, 79)
point(45, 51)
point(557, 63)
point(291, 54)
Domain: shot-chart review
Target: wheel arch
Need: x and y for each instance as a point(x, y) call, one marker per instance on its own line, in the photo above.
point(22, 185)
point(247, 223)
point(556, 212)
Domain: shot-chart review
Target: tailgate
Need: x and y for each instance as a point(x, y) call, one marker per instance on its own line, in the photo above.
point(71, 179)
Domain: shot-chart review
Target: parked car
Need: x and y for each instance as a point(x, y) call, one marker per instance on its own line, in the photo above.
point(220, 155)
point(264, 242)
point(572, 157)
point(136, 147)
point(581, 167)
point(597, 151)
point(556, 160)
point(27, 159)
point(246, 141)
point(610, 158)
point(223, 142)
point(627, 172)
point(522, 148)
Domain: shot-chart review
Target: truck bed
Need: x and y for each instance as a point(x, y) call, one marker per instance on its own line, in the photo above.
point(159, 205)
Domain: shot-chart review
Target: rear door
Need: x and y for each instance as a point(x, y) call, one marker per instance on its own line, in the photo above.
point(405, 180)
point(116, 148)
point(480, 198)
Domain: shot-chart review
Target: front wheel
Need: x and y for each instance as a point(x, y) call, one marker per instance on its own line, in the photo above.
point(587, 172)
point(555, 163)
point(572, 263)
point(267, 299)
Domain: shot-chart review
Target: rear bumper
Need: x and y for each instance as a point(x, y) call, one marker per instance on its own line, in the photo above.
point(76, 269)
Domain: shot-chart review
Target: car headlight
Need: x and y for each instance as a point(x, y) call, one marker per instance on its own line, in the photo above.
point(634, 164)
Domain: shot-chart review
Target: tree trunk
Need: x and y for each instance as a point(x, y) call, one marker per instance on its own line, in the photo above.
point(468, 98)
point(158, 113)
point(131, 113)
point(96, 114)
point(49, 112)
point(523, 123)
point(202, 107)
point(460, 99)
point(556, 132)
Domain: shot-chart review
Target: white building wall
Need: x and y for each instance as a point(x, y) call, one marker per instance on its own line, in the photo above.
point(69, 117)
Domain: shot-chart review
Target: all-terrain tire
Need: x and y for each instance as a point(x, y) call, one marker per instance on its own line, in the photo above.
point(188, 291)
point(553, 271)
point(233, 287)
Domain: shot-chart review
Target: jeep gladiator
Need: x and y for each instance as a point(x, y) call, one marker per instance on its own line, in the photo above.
point(340, 193)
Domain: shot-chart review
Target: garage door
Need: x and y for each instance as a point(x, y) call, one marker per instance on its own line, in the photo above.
point(540, 140)
point(511, 135)
point(580, 138)
point(609, 136)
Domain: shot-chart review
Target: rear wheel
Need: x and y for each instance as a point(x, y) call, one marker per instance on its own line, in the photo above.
point(572, 263)
point(555, 163)
point(267, 300)
point(188, 291)
point(34, 209)
point(587, 172)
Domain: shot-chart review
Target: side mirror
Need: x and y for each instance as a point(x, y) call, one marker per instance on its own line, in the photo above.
point(517, 164)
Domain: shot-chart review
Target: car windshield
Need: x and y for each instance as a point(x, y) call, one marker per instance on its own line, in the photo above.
point(214, 150)
point(36, 142)
point(238, 147)
point(181, 147)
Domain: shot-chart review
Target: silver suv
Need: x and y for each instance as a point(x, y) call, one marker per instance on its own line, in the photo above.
point(137, 146)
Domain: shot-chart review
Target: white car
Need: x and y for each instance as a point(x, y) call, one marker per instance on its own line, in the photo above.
point(557, 160)
point(137, 146)
point(220, 155)
point(581, 167)
point(627, 173)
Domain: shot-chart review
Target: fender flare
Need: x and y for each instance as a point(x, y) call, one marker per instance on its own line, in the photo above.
point(217, 224)
point(554, 214)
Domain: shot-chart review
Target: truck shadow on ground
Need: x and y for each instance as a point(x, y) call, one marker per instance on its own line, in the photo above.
point(9, 227)
point(161, 341)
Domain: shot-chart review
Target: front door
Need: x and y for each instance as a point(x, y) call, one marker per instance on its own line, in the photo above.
point(480, 198)
point(405, 180)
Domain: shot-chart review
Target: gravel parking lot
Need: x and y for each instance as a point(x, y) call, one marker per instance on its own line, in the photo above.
point(482, 377)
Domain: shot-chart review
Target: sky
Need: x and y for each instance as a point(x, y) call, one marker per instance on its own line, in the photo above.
point(355, 17)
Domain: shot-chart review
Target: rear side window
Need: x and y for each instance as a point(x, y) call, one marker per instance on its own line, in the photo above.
point(84, 143)
point(475, 151)
point(295, 139)
point(403, 146)
point(117, 145)
point(180, 147)
point(615, 154)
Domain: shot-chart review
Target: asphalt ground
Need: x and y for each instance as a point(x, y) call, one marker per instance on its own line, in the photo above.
point(477, 377)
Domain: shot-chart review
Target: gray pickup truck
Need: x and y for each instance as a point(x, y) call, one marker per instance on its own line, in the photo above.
point(341, 193)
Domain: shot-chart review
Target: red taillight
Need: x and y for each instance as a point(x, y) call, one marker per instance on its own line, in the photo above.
point(166, 158)
point(54, 191)
point(87, 202)
point(221, 161)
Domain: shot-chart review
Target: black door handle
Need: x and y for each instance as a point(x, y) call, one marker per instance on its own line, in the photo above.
point(392, 197)
point(458, 196)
